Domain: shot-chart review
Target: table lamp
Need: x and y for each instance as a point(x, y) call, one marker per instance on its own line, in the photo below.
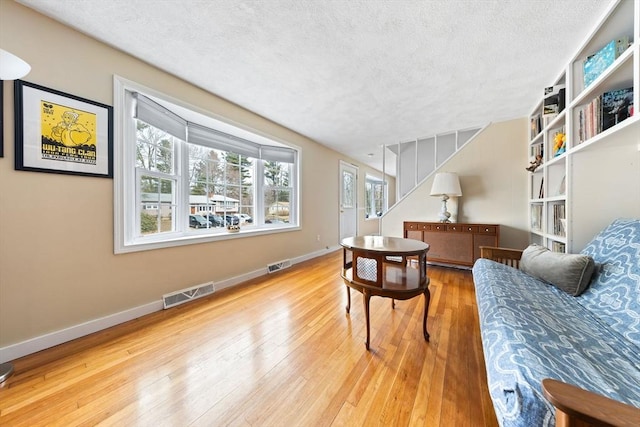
point(11, 68)
point(445, 185)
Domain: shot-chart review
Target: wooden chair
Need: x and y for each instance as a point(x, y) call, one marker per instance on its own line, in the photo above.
point(575, 407)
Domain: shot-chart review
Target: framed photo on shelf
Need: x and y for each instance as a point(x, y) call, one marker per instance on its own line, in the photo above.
point(61, 133)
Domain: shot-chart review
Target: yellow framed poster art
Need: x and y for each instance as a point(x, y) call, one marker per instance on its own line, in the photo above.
point(61, 133)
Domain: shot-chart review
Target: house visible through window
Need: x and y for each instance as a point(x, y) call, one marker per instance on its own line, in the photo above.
point(185, 176)
point(375, 197)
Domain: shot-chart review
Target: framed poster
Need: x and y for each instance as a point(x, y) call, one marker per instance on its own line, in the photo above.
point(61, 133)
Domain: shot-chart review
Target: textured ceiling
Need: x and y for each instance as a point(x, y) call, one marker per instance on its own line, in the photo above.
point(351, 74)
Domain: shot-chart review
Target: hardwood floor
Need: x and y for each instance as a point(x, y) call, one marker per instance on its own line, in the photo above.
point(277, 351)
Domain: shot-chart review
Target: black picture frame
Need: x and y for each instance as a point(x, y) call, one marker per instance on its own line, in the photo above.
point(56, 132)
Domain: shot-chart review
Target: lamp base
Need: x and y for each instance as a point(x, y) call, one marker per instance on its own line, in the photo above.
point(6, 369)
point(444, 214)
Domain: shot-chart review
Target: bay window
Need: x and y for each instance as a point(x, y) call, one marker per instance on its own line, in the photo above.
point(183, 176)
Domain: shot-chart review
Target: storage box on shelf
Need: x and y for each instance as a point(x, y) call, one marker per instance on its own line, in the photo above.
point(602, 98)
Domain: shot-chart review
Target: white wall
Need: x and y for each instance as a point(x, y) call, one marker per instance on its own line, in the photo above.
point(493, 178)
point(607, 185)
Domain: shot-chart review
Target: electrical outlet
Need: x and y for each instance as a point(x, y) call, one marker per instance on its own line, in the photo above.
point(318, 238)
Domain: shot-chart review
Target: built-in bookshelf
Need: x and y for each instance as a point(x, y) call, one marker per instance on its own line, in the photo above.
point(595, 97)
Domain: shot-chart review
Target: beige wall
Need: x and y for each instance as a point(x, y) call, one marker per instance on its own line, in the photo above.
point(57, 266)
point(493, 181)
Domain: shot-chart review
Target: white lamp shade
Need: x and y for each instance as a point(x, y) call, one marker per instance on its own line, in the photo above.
point(12, 67)
point(446, 183)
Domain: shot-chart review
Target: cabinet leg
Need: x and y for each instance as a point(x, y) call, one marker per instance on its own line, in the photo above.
point(393, 303)
point(427, 299)
point(365, 299)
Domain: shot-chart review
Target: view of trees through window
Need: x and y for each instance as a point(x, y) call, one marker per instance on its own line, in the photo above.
point(155, 175)
point(222, 185)
point(374, 197)
point(277, 192)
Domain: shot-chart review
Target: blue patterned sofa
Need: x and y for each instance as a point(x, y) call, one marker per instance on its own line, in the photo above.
point(532, 330)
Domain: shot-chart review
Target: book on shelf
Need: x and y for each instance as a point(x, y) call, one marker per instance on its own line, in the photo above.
point(536, 217)
point(558, 247)
point(554, 100)
point(617, 105)
point(541, 191)
point(537, 150)
point(603, 112)
point(536, 125)
point(558, 220)
point(597, 63)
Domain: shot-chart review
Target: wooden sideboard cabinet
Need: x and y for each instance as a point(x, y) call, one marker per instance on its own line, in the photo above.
point(454, 243)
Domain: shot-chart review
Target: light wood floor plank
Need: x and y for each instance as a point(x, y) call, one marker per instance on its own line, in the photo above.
point(279, 350)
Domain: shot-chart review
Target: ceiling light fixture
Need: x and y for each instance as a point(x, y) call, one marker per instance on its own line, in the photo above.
point(12, 67)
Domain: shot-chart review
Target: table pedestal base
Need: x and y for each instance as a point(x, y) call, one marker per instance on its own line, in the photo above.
point(366, 298)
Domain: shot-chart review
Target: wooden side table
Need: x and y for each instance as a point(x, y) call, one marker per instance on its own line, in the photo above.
point(378, 265)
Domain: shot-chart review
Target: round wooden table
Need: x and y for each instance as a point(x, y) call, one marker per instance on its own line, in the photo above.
point(390, 267)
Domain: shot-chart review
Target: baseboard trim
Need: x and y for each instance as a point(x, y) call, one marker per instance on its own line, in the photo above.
point(33, 345)
point(52, 339)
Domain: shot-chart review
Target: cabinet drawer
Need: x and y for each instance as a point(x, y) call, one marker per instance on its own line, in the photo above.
point(411, 226)
point(454, 227)
point(424, 226)
point(487, 229)
point(438, 227)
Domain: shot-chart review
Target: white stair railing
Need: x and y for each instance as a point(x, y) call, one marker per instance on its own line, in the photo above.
point(416, 160)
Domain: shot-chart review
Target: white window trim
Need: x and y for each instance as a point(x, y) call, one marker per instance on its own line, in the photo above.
point(124, 179)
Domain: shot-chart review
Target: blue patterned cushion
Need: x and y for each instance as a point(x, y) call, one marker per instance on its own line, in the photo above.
point(614, 294)
point(531, 331)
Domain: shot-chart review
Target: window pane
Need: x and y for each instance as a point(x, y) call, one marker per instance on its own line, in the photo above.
point(232, 174)
point(154, 149)
point(221, 185)
point(201, 204)
point(368, 197)
point(277, 174)
point(166, 217)
point(374, 198)
point(277, 206)
point(348, 190)
point(157, 205)
point(233, 192)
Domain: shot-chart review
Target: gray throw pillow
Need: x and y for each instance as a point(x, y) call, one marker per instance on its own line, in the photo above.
point(569, 272)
